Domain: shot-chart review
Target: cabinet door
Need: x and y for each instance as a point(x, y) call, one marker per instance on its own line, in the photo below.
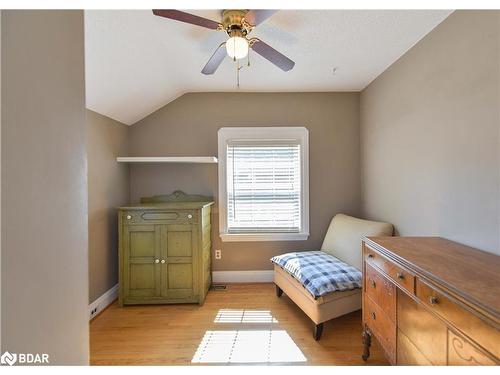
point(424, 334)
point(179, 245)
point(141, 267)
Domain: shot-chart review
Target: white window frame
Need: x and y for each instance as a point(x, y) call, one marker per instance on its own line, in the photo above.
point(300, 134)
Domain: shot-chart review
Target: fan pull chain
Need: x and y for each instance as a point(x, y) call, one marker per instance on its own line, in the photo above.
point(238, 68)
point(238, 74)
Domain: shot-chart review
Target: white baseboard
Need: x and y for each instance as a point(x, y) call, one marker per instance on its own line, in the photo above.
point(263, 276)
point(103, 301)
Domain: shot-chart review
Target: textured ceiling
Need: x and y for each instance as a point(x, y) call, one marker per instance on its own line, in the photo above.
point(137, 62)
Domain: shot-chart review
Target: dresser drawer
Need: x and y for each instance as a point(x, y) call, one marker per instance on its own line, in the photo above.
point(383, 327)
point(485, 334)
point(401, 277)
point(159, 217)
point(381, 291)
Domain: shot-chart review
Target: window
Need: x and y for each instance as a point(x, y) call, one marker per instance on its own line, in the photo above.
point(263, 184)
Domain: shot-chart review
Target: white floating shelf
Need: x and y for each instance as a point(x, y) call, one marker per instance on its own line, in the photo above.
point(167, 159)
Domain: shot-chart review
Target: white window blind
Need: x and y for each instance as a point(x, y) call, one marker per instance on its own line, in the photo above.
point(263, 187)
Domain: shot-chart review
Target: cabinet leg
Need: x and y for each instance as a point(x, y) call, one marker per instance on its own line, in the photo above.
point(279, 291)
point(367, 341)
point(318, 330)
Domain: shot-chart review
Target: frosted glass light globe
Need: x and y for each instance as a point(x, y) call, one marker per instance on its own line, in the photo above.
point(237, 47)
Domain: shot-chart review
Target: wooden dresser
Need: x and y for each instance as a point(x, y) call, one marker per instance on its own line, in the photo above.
point(431, 301)
point(165, 250)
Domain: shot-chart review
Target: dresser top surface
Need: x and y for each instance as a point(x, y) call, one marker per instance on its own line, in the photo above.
point(167, 206)
point(471, 273)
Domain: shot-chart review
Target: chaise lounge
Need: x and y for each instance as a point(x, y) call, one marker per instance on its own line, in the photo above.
point(326, 284)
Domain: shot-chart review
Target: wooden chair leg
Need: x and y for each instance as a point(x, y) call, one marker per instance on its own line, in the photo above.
point(367, 341)
point(279, 291)
point(318, 330)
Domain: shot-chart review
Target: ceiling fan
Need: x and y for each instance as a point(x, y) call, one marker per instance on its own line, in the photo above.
point(237, 24)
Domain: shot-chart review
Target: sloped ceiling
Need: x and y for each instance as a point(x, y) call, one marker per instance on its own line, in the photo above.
point(137, 62)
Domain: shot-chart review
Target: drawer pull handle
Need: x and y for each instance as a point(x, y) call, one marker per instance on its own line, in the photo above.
point(400, 276)
point(372, 282)
point(373, 316)
point(370, 255)
point(190, 216)
point(129, 217)
point(157, 261)
point(433, 300)
point(163, 261)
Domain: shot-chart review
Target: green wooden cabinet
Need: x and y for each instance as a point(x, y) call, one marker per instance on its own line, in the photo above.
point(164, 250)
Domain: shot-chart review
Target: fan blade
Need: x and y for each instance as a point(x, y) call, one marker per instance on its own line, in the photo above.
point(269, 53)
point(216, 59)
point(258, 16)
point(186, 17)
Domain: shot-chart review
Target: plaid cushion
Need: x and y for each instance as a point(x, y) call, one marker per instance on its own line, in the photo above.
point(320, 273)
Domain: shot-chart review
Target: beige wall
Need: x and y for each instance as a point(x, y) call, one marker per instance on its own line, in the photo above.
point(108, 189)
point(44, 186)
point(188, 127)
point(430, 135)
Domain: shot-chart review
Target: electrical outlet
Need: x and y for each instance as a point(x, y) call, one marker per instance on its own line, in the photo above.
point(218, 254)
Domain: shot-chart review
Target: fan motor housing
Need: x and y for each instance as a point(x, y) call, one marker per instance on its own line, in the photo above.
point(233, 22)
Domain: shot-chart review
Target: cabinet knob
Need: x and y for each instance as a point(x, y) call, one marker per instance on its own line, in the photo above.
point(370, 255)
point(373, 316)
point(190, 216)
point(129, 217)
point(400, 276)
point(157, 261)
point(163, 261)
point(433, 300)
point(372, 282)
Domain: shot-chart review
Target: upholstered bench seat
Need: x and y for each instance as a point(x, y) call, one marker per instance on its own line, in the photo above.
point(328, 298)
point(317, 309)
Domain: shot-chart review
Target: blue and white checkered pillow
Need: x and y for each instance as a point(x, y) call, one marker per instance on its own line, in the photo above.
point(320, 273)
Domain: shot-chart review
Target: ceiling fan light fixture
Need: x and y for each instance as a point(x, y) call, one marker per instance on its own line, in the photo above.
point(237, 24)
point(237, 47)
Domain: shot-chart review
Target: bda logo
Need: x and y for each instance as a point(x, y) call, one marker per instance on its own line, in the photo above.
point(8, 358)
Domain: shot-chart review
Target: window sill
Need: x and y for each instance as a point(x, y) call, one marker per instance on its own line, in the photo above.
point(263, 237)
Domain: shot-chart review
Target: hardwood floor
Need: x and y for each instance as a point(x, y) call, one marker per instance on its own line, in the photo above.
point(246, 323)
